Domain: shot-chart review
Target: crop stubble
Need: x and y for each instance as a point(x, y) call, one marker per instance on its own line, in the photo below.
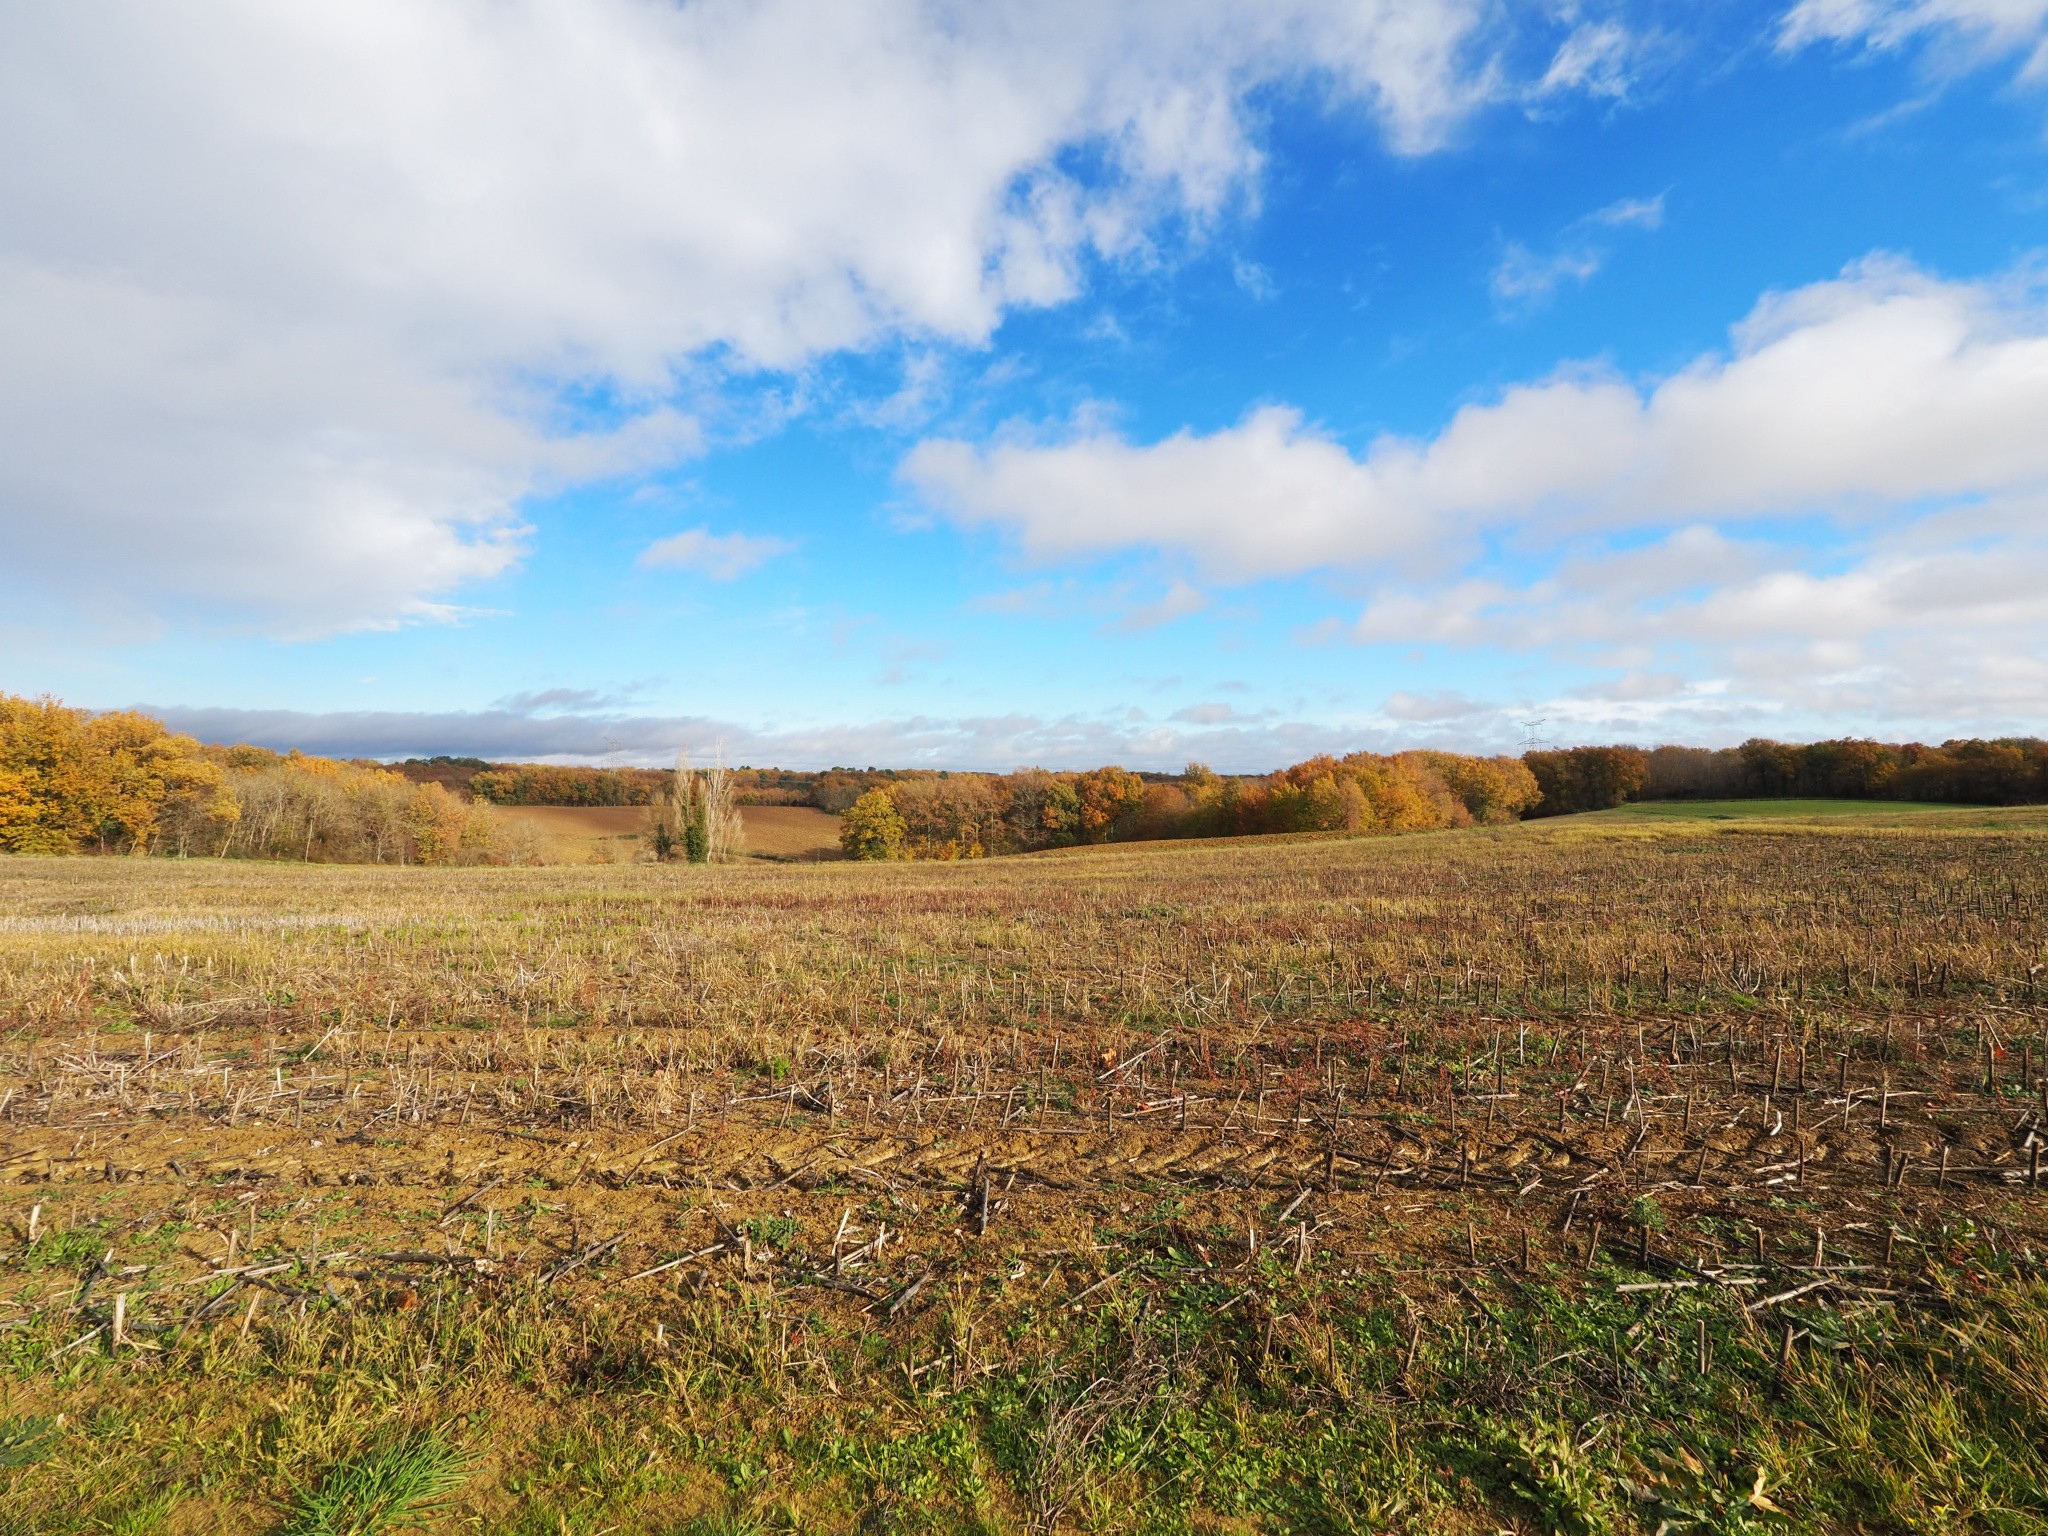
point(1785, 1065)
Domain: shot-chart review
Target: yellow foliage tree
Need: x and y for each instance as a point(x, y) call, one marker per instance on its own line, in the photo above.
point(872, 827)
point(120, 780)
point(436, 823)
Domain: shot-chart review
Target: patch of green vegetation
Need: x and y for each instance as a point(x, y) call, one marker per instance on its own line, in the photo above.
point(1765, 810)
point(74, 1248)
point(26, 1439)
point(771, 1231)
point(1281, 1401)
point(402, 1483)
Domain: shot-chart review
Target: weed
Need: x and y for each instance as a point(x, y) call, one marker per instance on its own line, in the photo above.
point(402, 1483)
point(26, 1439)
point(772, 1231)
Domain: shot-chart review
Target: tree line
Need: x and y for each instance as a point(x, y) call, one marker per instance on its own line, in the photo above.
point(567, 784)
point(1967, 771)
point(121, 782)
point(972, 815)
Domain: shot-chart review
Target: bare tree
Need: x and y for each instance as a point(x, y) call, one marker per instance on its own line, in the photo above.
point(697, 815)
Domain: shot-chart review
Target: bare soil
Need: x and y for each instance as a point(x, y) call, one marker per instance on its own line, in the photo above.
point(575, 833)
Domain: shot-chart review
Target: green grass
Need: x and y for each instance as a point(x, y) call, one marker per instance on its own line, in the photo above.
point(1784, 810)
point(402, 1483)
point(1545, 1401)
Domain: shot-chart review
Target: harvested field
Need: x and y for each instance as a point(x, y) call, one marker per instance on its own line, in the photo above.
point(610, 834)
point(791, 831)
point(1580, 1176)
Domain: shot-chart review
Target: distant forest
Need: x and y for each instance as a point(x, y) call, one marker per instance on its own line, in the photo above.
point(121, 782)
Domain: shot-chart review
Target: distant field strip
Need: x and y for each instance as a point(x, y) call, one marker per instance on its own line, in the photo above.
point(773, 831)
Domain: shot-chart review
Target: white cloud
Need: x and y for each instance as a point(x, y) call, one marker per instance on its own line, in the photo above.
point(1965, 32)
point(1597, 57)
point(1631, 213)
point(1844, 517)
point(720, 556)
point(1903, 633)
point(1179, 601)
point(1853, 398)
point(1433, 708)
point(289, 294)
point(1526, 277)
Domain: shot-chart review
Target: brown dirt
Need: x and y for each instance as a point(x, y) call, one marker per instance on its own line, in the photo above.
point(574, 832)
point(517, 1151)
point(581, 820)
point(791, 831)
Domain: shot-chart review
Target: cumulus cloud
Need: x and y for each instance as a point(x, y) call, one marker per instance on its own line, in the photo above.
point(1880, 390)
point(1709, 635)
point(1841, 515)
point(720, 556)
point(290, 296)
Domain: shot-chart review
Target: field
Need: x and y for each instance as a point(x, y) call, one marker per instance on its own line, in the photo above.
point(1868, 813)
point(1608, 1174)
point(610, 834)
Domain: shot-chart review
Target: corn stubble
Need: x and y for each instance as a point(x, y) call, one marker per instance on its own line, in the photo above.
point(1538, 1178)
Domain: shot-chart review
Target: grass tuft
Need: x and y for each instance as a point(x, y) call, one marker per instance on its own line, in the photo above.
point(402, 1483)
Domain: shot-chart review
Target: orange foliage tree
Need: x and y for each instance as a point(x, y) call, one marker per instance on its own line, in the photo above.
point(118, 782)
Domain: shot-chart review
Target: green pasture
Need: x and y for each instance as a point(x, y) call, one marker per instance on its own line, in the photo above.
point(1876, 813)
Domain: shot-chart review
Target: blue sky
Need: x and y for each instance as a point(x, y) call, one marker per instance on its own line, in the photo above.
point(983, 385)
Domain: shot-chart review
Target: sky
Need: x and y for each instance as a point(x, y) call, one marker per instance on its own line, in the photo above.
point(1013, 382)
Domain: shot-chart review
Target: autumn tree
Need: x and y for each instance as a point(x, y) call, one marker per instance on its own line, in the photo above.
point(46, 793)
point(435, 822)
point(951, 815)
point(872, 827)
point(117, 781)
point(1043, 810)
point(1492, 789)
point(1107, 796)
point(1587, 778)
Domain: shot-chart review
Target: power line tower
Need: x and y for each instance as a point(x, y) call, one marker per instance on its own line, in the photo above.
point(1532, 737)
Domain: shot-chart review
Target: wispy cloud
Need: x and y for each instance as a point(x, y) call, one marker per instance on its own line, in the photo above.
point(1180, 601)
point(1597, 58)
point(1433, 708)
point(719, 556)
point(1962, 34)
point(1525, 277)
point(544, 700)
